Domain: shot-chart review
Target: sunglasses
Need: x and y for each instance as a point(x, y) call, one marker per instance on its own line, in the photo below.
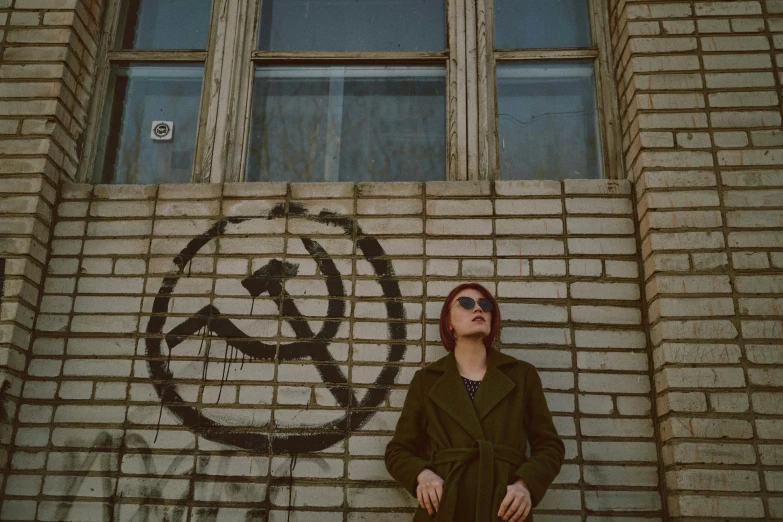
point(468, 303)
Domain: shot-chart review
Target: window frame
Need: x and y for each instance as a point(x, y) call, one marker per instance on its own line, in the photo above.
point(230, 60)
point(605, 90)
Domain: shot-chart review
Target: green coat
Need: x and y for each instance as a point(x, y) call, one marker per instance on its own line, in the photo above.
point(477, 447)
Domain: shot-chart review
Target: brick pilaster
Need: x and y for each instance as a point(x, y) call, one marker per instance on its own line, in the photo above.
point(47, 60)
point(701, 116)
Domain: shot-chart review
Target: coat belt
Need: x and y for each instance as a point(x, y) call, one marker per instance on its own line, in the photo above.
point(486, 453)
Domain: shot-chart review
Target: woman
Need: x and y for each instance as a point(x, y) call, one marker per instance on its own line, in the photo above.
point(459, 446)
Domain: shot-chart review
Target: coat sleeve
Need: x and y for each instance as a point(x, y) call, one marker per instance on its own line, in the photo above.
point(404, 453)
point(546, 448)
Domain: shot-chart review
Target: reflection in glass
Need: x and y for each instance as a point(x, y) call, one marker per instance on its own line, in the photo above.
point(348, 124)
point(351, 25)
point(541, 24)
point(548, 121)
point(143, 94)
point(165, 24)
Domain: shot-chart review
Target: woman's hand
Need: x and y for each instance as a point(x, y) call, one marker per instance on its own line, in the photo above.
point(517, 504)
point(429, 491)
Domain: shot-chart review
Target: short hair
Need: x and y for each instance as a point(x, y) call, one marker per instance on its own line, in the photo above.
point(447, 338)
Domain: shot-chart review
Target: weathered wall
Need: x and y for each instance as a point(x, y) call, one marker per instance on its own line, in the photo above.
point(699, 85)
point(145, 283)
point(47, 59)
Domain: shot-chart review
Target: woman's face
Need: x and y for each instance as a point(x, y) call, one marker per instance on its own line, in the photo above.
point(469, 323)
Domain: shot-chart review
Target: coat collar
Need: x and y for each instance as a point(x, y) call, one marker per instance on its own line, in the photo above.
point(450, 395)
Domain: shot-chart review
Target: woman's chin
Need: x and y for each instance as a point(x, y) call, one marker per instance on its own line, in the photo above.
point(477, 332)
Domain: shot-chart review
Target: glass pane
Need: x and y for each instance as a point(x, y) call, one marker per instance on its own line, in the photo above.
point(548, 121)
point(165, 24)
point(351, 25)
point(541, 24)
point(348, 124)
point(151, 131)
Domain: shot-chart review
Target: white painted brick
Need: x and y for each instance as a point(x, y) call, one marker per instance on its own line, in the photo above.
point(670, 10)
point(718, 506)
point(743, 99)
point(734, 43)
point(730, 139)
point(585, 267)
point(700, 378)
point(739, 80)
point(524, 227)
point(713, 26)
point(727, 62)
point(613, 291)
point(528, 188)
point(528, 207)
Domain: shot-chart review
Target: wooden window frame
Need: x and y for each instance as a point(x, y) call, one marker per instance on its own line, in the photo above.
point(470, 59)
point(600, 53)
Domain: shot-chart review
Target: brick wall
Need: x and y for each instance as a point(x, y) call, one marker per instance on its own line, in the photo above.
point(368, 267)
point(699, 85)
point(652, 307)
point(47, 51)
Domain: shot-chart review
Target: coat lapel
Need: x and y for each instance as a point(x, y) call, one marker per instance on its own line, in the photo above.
point(494, 387)
point(450, 395)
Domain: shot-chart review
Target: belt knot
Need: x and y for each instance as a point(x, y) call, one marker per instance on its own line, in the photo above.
point(487, 454)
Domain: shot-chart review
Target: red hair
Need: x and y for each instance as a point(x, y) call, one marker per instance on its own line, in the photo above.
point(447, 337)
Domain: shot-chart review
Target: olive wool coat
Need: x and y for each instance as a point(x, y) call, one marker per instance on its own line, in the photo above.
point(477, 447)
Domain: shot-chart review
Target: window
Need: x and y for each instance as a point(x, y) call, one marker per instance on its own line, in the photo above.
point(368, 101)
point(548, 115)
point(347, 90)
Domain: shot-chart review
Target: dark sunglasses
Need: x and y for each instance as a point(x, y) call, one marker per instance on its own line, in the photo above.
point(468, 303)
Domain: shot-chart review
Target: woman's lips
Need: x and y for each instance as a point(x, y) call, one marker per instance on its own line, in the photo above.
point(479, 319)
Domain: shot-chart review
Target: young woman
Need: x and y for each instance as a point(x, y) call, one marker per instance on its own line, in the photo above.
point(459, 446)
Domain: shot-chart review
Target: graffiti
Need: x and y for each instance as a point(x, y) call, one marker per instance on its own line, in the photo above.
point(151, 507)
point(4, 416)
point(2, 279)
point(270, 279)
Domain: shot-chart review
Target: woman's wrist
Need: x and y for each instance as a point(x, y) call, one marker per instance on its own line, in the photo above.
point(423, 473)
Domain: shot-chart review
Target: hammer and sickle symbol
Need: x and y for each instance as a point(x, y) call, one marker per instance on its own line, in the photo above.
point(269, 279)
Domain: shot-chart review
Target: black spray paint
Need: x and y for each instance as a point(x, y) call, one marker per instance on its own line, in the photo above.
point(269, 279)
point(4, 416)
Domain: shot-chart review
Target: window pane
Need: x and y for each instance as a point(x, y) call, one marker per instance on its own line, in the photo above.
point(548, 121)
point(348, 124)
point(159, 100)
point(166, 24)
point(541, 24)
point(351, 25)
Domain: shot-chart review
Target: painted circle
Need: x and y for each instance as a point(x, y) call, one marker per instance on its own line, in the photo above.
point(316, 438)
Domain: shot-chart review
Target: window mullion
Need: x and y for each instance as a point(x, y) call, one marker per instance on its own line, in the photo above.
point(487, 140)
point(242, 81)
point(215, 134)
point(458, 117)
point(88, 160)
point(471, 77)
point(609, 115)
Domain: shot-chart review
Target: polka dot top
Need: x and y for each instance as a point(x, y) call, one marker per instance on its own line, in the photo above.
point(471, 386)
